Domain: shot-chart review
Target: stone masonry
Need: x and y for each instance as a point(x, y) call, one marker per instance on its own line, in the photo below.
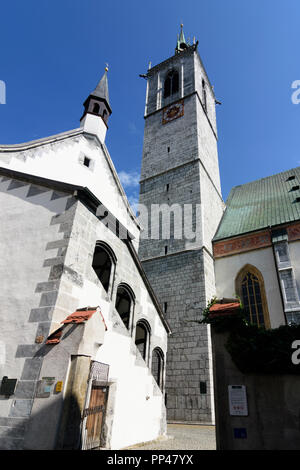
point(180, 170)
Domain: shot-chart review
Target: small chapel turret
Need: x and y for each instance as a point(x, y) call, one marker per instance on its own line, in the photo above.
point(97, 109)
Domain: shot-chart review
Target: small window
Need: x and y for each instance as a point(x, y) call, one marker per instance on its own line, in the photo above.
point(166, 250)
point(96, 108)
point(86, 161)
point(290, 178)
point(165, 307)
point(203, 388)
point(103, 262)
point(295, 188)
point(124, 303)
point(167, 187)
point(204, 99)
point(157, 366)
point(168, 149)
point(141, 338)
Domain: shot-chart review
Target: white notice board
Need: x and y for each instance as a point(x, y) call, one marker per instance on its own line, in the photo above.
point(238, 405)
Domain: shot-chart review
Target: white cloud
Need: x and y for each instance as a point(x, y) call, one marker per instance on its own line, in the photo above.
point(133, 201)
point(129, 179)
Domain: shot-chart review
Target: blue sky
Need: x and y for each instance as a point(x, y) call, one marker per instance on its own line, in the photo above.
point(54, 52)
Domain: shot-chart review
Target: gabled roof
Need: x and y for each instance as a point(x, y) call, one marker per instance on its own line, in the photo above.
point(267, 202)
point(81, 315)
point(11, 148)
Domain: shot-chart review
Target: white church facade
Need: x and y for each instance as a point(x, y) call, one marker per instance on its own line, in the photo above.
point(83, 338)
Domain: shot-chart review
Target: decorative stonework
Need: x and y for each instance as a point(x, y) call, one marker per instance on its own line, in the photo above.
point(173, 111)
point(241, 244)
point(293, 232)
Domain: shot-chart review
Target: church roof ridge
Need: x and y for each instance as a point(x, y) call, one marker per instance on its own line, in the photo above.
point(42, 140)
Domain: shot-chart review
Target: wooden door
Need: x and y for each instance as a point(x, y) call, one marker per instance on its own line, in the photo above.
point(94, 417)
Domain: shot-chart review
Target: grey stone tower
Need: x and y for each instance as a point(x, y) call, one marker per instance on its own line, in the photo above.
point(180, 191)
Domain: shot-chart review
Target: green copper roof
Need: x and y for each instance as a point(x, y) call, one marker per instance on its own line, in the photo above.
point(263, 203)
point(181, 42)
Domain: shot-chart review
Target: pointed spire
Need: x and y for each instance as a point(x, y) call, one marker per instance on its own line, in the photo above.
point(181, 37)
point(181, 42)
point(101, 90)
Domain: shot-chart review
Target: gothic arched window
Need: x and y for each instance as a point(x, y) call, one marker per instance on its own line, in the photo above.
point(142, 335)
point(250, 287)
point(124, 304)
point(171, 85)
point(157, 366)
point(103, 264)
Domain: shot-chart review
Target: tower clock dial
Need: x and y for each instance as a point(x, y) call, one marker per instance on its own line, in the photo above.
point(173, 111)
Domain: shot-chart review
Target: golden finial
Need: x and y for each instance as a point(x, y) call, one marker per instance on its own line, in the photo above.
point(106, 68)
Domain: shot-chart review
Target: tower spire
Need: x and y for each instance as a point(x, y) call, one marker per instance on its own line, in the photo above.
point(181, 42)
point(101, 90)
point(97, 109)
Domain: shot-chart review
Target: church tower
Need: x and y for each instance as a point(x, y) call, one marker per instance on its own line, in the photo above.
point(180, 209)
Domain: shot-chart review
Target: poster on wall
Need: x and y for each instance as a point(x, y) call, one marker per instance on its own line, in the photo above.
point(238, 405)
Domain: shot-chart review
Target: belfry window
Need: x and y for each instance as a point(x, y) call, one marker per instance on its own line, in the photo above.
point(96, 108)
point(171, 85)
point(103, 264)
point(157, 366)
point(250, 287)
point(142, 334)
point(124, 304)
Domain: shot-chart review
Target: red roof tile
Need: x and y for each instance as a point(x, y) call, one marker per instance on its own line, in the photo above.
point(224, 307)
point(54, 338)
point(79, 316)
point(82, 315)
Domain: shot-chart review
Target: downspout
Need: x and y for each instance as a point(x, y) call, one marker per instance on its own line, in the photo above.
point(278, 278)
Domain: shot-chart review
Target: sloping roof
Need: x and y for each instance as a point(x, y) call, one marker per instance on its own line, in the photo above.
point(80, 316)
point(101, 89)
point(266, 202)
point(220, 309)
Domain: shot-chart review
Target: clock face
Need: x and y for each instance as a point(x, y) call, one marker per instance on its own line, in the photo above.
point(173, 111)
